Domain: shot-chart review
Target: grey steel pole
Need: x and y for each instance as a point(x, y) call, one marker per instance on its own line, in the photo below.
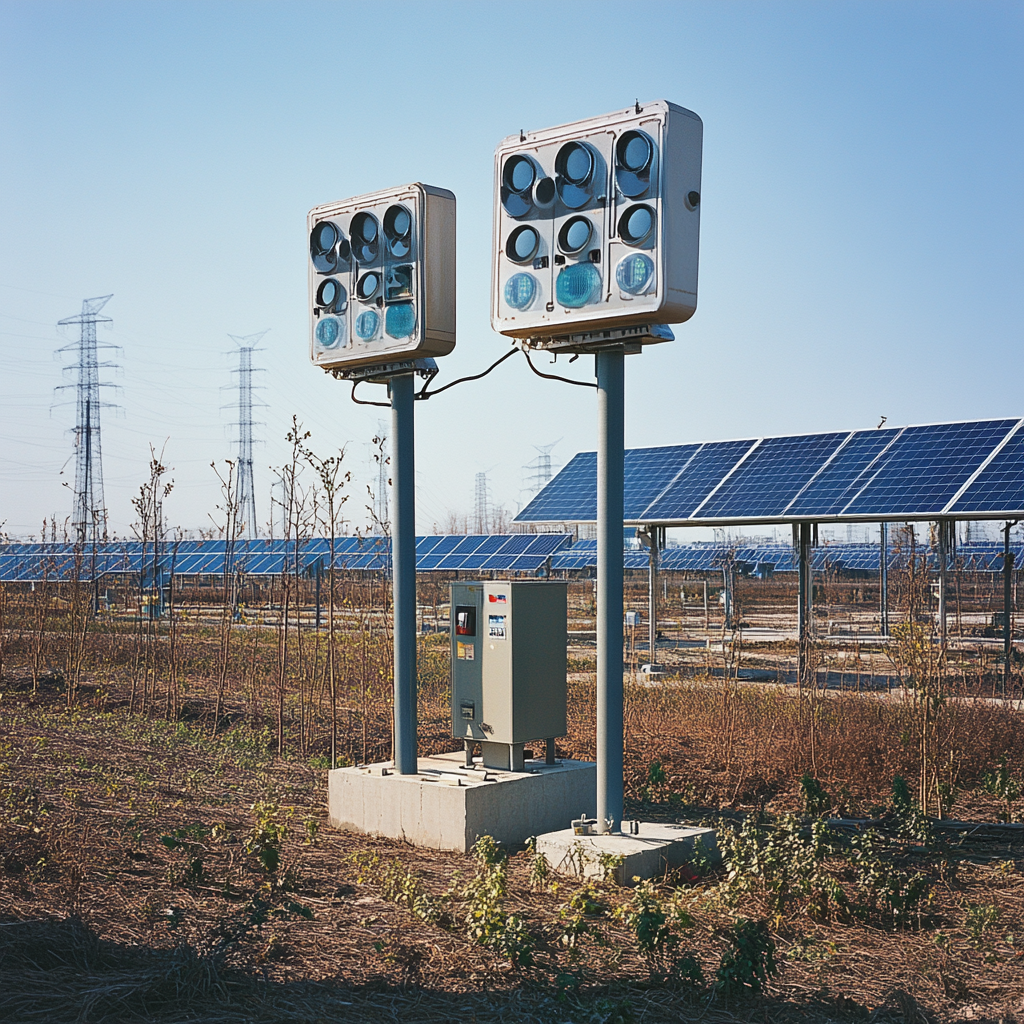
point(1007, 604)
point(652, 596)
point(943, 559)
point(803, 600)
point(883, 571)
point(403, 569)
point(610, 457)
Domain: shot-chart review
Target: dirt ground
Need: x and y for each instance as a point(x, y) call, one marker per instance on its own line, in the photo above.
point(136, 885)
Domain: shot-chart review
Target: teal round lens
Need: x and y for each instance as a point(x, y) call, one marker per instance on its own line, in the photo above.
point(367, 324)
point(398, 231)
point(400, 320)
point(520, 290)
point(328, 332)
point(578, 285)
point(635, 273)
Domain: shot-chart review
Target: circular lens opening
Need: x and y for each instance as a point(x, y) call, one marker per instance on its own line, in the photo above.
point(365, 232)
point(634, 151)
point(636, 225)
point(322, 240)
point(519, 173)
point(520, 290)
point(400, 320)
point(522, 245)
point(397, 229)
point(575, 163)
point(367, 324)
point(331, 295)
point(328, 332)
point(544, 192)
point(368, 286)
point(634, 273)
point(578, 285)
point(575, 235)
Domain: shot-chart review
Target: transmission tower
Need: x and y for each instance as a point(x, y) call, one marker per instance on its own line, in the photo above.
point(482, 515)
point(539, 471)
point(89, 518)
point(245, 493)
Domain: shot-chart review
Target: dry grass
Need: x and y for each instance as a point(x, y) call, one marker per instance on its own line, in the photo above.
point(99, 920)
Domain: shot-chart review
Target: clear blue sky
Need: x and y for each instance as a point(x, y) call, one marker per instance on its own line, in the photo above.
point(862, 219)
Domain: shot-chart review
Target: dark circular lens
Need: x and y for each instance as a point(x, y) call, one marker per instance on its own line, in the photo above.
point(575, 235)
point(397, 229)
point(636, 225)
point(574, 168)
point(331, 296)
point(575, 162)
point(324, 237)
point(544, 192)
point(634, 150)
point(365, 237)
point(519, 173)
point(634, 155)
point(367, 286)
point(522, 245)
point(322, 240)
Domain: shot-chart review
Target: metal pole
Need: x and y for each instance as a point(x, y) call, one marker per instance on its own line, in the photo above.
point(1007, 603)
point(610, 456)
point(803, 599)
point(403, 569)
point(652, 596)
point(883, 569)
point(943, 559)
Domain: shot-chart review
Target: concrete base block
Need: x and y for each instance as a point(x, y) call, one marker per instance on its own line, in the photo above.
point(447, 806)
point(655, 850)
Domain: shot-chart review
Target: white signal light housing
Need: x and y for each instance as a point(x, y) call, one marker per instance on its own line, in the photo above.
point(382, 277)
point(597, 223)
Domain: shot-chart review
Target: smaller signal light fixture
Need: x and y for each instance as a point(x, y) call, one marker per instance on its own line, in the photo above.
point(597, 225)
point(382, 278)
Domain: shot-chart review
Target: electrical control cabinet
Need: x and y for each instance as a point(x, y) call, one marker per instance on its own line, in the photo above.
point(508, 666)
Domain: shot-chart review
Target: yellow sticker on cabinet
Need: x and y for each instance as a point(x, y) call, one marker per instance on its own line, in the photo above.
point(464, 651)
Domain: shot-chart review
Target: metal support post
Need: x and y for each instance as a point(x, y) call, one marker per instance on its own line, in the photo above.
point(610, 474)
point(943, 538)
point(1008, 558)
point(883, 574)
point(803, 599)
point(403, 569)
point(652, 594)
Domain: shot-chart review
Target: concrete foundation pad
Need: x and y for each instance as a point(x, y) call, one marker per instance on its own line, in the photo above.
point(655, 850)
point(447, 806)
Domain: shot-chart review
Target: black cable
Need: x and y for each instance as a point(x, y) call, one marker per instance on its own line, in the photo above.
point(425, 394)
point(359, 401)
point(552, 376)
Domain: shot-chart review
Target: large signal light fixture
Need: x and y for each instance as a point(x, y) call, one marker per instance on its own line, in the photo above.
point(597, 223)
point(382, 277)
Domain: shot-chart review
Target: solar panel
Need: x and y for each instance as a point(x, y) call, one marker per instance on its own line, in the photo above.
point(955, 469)
point(771, 476)
point(697, 477)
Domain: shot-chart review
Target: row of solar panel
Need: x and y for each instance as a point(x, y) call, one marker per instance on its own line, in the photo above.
point(518, 553)
point(948, 469)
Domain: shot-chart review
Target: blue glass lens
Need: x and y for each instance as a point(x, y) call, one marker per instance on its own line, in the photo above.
point(637, 153)
point(574, 235)
point(577, 285)
point(367, 323)
point(578, 163)
point(402, 222)
point(636, 224)
point(328, 332)
point(520, 290)
point(520, 173)
point(634, 273)
point(522, 244)
point(367, 286)
point(400, 320)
